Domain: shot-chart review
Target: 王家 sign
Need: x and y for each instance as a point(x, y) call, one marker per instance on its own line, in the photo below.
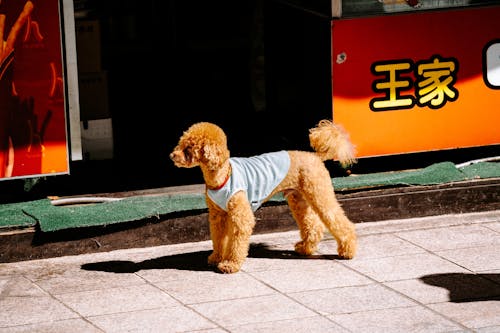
point(418, 82)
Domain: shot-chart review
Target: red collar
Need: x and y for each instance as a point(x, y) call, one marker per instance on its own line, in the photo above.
point(223, 183)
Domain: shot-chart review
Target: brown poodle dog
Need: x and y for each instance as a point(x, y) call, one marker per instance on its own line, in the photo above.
point(236, 187)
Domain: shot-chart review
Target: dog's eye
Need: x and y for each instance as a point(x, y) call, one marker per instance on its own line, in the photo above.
point(187, 152)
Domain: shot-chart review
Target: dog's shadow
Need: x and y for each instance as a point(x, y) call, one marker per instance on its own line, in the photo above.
point(467, 287)
point(193, 261)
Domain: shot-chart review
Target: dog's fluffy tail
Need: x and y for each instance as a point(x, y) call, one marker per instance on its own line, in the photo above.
point(331, 142)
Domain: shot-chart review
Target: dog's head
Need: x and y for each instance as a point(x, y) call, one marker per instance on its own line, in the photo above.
point(203, 144)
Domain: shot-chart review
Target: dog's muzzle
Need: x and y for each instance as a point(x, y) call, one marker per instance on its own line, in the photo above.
point(176, 156)
point(179, 159)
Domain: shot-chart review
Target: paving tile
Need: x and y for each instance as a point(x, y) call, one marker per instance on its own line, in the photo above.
point(410, 319)
point(476, 259)
point(17, 285)
point(54, 266)
point(493, 226)
point(163, 275)
point(287, 238)
point(62, 326)
point(275, 255)
point(74, 279)
point(114, 300)
point(420, 291)
point(214, 287)
point(252, 310)
point(351, 299)
point(65, 274)
point(165, 320)
point(155, 268)
point(482, 217)
point(30, 310)
point(284, 260)
point(403, 267)
point(375, 246)
point(489, 329)
point(45, 267)
point(315, 324)
point(453, 237)
point(471, 314)
point(179, 248)
point(311, 278)
point(428, 222)
point(184, 256)
point(146, 253)
point(448, 287)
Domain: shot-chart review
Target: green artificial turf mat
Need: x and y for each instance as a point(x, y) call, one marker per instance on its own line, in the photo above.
point(482, 170)
point(438, 173)
point(53, 218)
point(15, 214)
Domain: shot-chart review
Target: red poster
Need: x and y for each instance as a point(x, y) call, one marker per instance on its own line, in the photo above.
point(417, 82)
point(33, 138)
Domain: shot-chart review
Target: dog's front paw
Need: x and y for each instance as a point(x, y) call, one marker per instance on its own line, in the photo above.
point(214, 259)
point(305, 249)
point(228, 267)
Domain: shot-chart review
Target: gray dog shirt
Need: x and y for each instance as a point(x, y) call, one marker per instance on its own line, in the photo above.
point(257, 176)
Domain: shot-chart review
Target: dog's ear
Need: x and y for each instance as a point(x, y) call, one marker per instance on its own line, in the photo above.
point(213, 156)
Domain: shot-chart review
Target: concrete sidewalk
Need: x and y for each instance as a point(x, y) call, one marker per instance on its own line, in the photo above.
point(434, 274)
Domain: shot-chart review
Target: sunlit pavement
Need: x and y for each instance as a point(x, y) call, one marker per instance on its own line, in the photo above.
point(433, 274)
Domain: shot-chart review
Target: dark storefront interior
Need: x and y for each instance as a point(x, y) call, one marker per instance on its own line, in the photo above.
point(173, 63)
point(260, 69)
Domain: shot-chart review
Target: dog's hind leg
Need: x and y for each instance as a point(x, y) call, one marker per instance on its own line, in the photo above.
point(240, 223)
point(343, 231)
point(319, 193)
point(310, 226)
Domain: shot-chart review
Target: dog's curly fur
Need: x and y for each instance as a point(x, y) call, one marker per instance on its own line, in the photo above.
point(307, 187)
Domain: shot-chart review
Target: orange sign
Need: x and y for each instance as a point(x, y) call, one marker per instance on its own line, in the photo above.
point(418, 82)
point(33, 137)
